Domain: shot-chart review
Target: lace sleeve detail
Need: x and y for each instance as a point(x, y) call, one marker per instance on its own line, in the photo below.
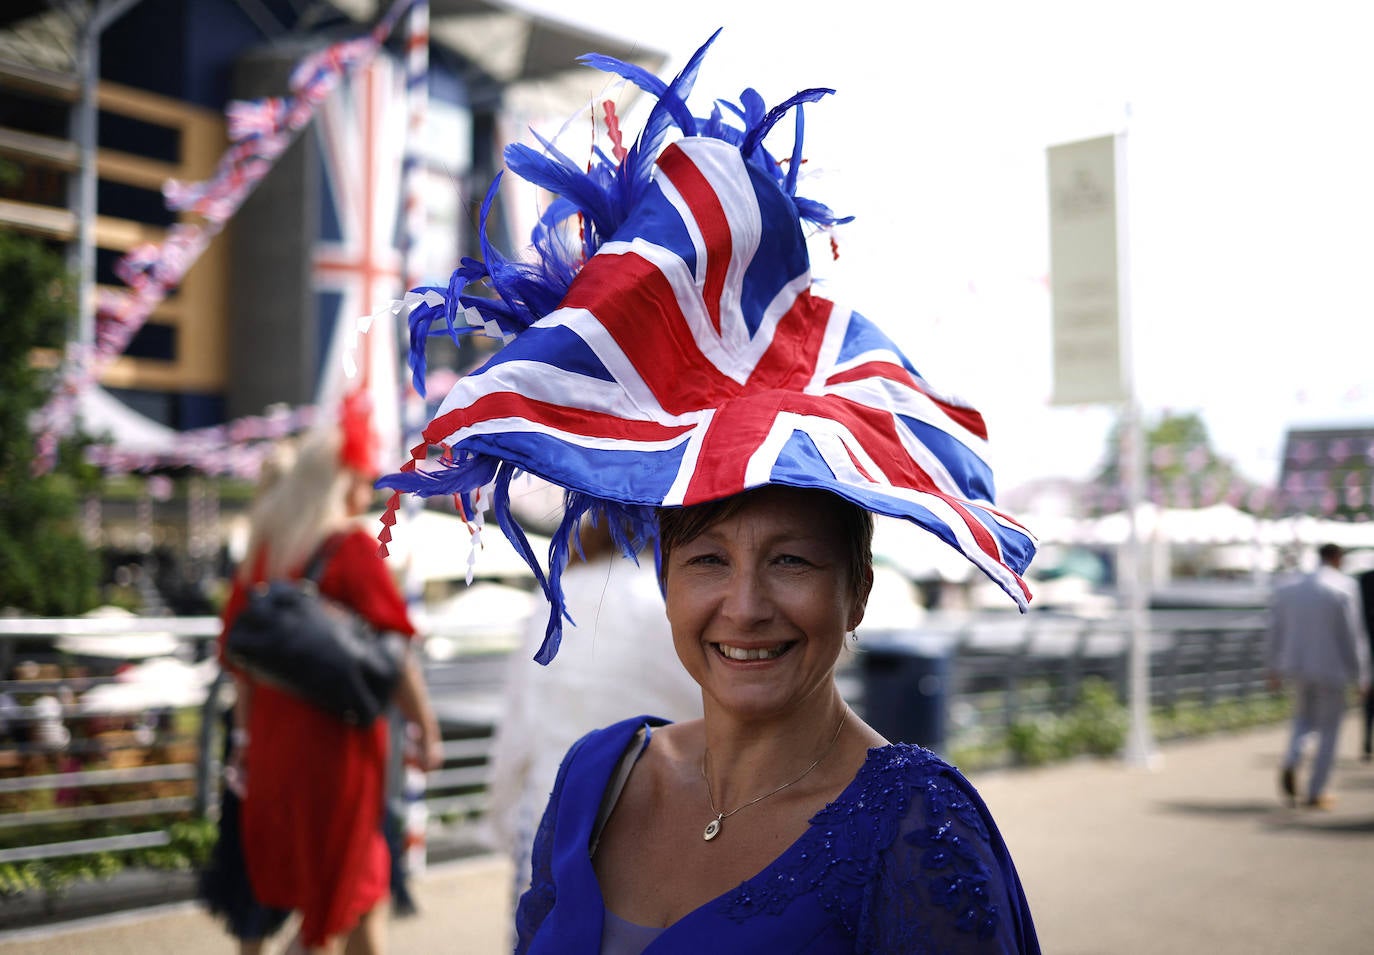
point(539, 898)
point(943, 880)
point(907, 859)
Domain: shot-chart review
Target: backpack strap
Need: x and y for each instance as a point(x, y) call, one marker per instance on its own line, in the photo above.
point(314, 568)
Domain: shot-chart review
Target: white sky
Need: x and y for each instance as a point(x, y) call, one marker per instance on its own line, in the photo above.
point(1251, 196)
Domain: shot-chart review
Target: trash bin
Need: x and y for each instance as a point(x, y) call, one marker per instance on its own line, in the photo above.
point(906, 678)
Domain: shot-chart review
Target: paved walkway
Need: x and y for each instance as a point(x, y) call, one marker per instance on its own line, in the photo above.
point(1193, 856)
point(1196, 856)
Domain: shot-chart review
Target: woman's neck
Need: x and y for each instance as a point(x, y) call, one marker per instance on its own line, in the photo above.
point(743, 758)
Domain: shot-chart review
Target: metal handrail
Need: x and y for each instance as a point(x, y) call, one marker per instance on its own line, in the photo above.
point(112, 810)
point(57, 850)
point(456, 778)
point(186, 627)
point(98, 777)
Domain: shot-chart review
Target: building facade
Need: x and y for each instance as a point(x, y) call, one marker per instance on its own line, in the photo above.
point(318, 241)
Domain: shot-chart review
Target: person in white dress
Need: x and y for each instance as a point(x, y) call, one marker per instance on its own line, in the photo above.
point(616, 662)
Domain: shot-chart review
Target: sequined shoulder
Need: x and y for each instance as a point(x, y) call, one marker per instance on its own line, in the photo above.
point(903, 857)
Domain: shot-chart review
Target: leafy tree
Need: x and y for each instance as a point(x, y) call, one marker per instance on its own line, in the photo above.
point(45, 566)
point(1182, 469)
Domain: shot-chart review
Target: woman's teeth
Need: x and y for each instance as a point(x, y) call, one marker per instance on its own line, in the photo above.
point(753, 653)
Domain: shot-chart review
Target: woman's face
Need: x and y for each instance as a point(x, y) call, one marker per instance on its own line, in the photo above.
point(760, 601)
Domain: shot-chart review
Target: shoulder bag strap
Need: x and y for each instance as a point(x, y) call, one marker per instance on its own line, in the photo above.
point(314, 568)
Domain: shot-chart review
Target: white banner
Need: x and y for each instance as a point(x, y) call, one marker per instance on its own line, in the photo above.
point(1085, 282)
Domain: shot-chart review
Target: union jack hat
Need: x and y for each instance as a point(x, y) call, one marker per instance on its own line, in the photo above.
point(664, 348)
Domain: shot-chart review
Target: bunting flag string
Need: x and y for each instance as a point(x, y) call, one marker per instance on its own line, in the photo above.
point(236, 449)
point(259, 132)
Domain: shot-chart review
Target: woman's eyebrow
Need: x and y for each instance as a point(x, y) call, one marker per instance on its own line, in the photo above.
point(783, 537)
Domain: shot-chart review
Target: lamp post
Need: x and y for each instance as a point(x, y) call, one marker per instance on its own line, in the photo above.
point(85, 133)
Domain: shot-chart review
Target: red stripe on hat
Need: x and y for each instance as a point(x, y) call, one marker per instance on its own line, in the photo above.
point(737, 430)
point(711, 219)
point(792, 355)
point(635, 303)
point(507, 404)
point(739, 427)
point(986, 542)
point(967, 418)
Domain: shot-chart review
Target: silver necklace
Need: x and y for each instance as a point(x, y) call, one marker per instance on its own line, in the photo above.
point(713, 827)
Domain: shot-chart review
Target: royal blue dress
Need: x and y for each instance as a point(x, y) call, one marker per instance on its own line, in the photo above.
point(906, 860)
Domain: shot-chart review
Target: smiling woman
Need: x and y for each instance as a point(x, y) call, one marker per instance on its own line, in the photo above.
point(671, 368)
point(850, 843)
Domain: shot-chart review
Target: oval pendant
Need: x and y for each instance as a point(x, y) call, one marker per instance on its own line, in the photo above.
point(712, 830)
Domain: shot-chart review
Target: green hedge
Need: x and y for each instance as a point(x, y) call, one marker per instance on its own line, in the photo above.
point(191, 843)
point(1098, 722)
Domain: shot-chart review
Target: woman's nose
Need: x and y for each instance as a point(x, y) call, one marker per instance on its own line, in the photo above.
point(747, 601)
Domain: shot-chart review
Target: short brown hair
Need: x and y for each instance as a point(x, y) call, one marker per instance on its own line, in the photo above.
point(678, 525)
point(1330, 553)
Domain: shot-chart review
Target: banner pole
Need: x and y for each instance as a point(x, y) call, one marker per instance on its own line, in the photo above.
point(1140, 750)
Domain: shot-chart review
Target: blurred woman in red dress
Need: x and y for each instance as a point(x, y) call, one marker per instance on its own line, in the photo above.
point(314, 785)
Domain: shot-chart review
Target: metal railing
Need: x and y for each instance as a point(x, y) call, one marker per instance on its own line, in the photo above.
point(1201, 656)
point(58, 793)
point(68, 767)
point(997, 671)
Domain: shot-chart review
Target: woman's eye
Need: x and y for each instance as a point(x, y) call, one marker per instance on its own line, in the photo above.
point(791, 560)
point(704, 560)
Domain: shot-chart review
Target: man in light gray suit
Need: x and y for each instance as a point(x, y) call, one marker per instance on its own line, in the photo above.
point(1317, 643)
